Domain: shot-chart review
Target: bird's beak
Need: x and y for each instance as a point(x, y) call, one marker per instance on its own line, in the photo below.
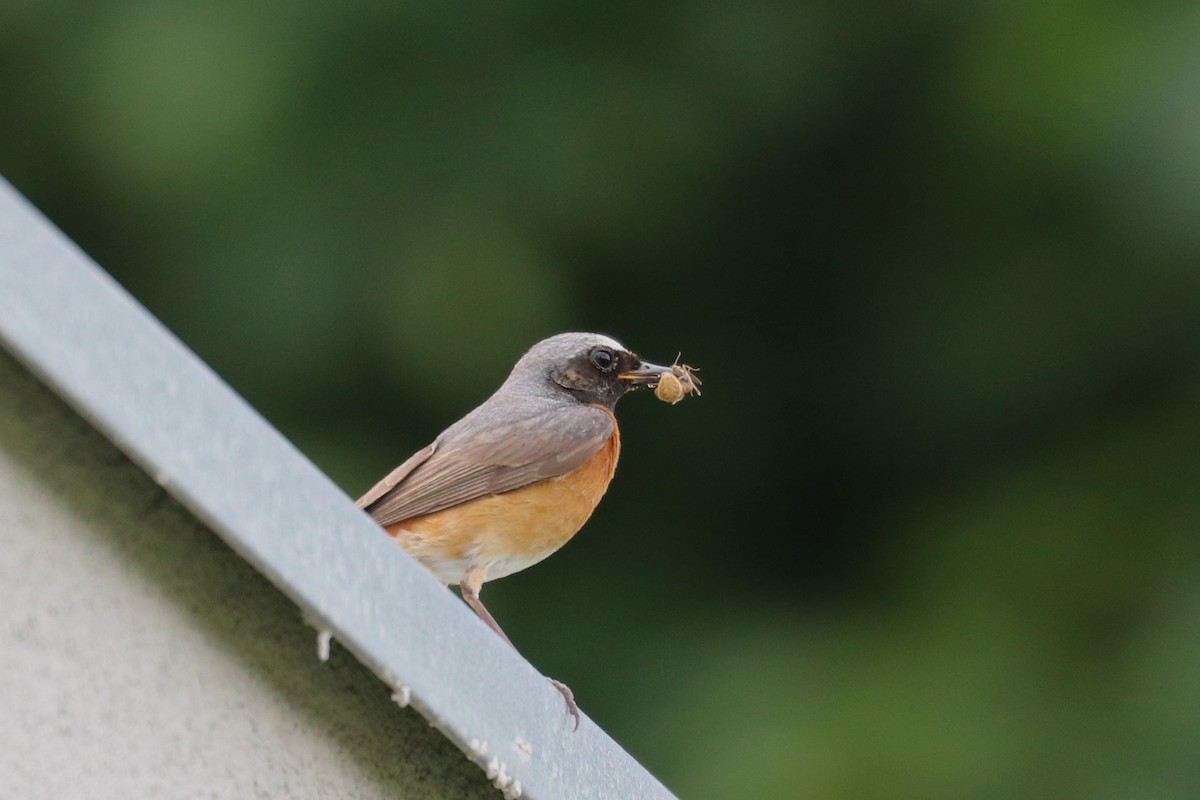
point(646, 374)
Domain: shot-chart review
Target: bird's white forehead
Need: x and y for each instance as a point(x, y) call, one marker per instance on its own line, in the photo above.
point(570, 343)
point(609, 342)
point(565, 346)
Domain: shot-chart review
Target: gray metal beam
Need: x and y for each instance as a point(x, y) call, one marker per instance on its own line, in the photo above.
point(97, 348)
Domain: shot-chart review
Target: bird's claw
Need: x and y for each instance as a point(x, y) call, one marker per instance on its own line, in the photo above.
point(569, 696)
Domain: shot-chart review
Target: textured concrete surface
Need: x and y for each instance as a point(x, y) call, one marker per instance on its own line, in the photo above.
point(141, 657)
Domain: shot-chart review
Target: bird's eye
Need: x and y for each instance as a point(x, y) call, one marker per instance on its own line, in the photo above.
point(604, 359)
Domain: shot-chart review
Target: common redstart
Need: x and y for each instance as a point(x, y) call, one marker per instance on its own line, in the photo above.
point(513, 480)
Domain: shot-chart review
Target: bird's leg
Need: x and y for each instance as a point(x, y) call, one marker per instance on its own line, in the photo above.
point(471, 583)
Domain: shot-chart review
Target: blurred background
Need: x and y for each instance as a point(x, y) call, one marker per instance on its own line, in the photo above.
point(932, 529)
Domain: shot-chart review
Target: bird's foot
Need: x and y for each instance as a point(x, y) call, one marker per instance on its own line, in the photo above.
point(569, 696)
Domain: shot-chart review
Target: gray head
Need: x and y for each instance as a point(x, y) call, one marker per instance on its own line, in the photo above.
point(589, 367)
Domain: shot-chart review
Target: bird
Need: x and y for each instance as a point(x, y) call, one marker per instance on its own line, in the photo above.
point(512, 481)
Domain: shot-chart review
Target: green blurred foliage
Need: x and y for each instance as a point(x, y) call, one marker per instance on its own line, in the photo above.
point(932, 529)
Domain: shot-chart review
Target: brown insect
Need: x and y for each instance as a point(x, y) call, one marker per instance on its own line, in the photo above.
point(677, 384)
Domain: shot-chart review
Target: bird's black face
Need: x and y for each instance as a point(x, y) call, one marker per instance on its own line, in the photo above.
point(602, 374)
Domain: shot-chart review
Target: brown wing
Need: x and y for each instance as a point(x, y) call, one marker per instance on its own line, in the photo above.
point(395, 476)
point(480, 456)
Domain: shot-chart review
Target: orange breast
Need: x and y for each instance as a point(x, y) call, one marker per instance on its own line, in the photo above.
point(508, 532)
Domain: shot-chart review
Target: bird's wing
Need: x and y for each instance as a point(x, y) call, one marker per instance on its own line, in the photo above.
point(395, 476)
point(474, 460)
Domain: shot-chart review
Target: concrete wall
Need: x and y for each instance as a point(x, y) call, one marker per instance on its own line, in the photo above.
point(140, 657)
